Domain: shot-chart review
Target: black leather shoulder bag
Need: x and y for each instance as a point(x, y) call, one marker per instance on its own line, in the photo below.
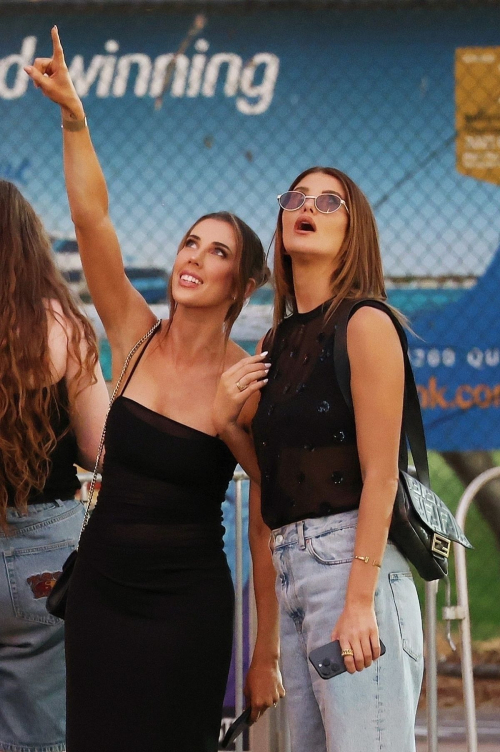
point(422, 526)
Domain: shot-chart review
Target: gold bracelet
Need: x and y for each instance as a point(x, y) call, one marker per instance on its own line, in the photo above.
point(74, 125)
point(366, 559)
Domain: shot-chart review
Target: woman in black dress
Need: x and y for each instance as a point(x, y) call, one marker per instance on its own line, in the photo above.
point(149, 615)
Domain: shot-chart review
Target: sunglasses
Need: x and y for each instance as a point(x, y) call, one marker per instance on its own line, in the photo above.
point(326, 203)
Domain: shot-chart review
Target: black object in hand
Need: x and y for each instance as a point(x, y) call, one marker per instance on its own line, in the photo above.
point(329, 661)
point(236, 728)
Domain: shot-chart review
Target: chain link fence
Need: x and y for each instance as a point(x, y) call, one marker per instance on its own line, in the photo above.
point(196, 108)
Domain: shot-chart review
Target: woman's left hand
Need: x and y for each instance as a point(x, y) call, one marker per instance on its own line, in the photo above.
point(236, 385)
point(357, 629)
point(263, 688)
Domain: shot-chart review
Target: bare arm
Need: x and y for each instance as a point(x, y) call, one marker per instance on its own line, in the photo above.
point(263, 685)
point(87, 392)
point(88, 404)
point(377, 386)
point(123, 311)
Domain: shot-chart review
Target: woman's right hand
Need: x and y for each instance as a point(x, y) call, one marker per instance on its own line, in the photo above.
point(51, 75)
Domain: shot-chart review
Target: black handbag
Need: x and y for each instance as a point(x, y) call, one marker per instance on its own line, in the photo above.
point(57, 598)
point(422, 526)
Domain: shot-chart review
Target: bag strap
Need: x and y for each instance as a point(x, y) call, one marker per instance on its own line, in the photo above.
point(142, 340)
point(413, 427)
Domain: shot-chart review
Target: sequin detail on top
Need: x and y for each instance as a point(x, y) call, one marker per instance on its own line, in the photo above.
point(304, 433)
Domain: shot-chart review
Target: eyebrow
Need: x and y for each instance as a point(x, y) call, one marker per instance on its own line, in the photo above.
point(216, 242)
point(306, 190)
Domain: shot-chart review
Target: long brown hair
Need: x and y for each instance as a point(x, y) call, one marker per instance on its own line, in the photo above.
point(29, 282)
point(358, 273)
point(251, 263)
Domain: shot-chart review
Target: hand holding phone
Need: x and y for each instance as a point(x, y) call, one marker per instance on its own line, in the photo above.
point(329, 661)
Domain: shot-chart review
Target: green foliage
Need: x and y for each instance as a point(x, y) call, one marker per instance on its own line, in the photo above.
point(483, 563)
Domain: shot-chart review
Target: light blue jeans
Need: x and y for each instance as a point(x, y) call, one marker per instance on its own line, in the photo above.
point(369, 711)
point(32, 666)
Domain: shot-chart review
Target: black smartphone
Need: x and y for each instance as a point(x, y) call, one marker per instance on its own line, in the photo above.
point(328, 660)
point(236, 728)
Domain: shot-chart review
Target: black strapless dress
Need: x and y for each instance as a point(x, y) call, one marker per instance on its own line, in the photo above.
point(149, 619)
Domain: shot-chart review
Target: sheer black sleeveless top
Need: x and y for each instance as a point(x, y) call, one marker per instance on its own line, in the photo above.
point(62, 481)
point(304, 432)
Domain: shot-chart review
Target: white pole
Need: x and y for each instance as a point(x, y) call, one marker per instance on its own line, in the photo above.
point(463, 606)
point(431, 589)
point(238, 604)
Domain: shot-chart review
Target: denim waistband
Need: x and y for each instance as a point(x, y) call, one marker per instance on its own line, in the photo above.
point(296, 532)
point(38, 515)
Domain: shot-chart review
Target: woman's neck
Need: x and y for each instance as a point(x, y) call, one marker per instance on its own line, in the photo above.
point(196, 336)
point(312, 281)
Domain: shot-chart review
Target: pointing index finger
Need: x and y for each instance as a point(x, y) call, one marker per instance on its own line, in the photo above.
point(57, 50)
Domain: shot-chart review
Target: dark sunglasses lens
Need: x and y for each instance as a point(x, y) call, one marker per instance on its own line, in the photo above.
point(291, 200)
point(328, 202)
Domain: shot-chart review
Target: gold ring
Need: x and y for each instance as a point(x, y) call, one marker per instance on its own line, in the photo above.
point(241, 387)
point(347, 651)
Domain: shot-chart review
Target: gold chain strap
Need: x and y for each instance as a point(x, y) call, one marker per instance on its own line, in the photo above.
point(112, 399)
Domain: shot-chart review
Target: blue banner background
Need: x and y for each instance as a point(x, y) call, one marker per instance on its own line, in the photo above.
point(345, 87)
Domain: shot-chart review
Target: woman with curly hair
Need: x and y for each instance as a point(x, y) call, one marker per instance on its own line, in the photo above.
point(52, 405)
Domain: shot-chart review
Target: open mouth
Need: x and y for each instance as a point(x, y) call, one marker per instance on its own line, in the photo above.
point(304, 225)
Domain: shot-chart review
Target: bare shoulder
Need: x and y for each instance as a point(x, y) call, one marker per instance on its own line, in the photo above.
point(234, 353)
point(260, 344)
point(59, 333)
point(372, 337)
point(58, 323)
point(368, 319)
point(369, 324)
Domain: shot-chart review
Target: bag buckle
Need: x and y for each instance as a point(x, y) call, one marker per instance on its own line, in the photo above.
point(441, 545)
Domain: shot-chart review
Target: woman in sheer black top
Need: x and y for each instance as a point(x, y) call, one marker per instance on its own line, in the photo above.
point(329, 479)
point(149, 614)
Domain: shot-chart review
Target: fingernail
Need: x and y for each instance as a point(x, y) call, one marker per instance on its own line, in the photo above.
point(263, 354)
point(27, 68)
point(267, 365)
point(265, 381)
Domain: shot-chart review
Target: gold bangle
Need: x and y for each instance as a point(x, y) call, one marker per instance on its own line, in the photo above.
point(74, 125)
point(366, 559)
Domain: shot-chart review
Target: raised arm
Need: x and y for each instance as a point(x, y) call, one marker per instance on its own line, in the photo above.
point(123, 311)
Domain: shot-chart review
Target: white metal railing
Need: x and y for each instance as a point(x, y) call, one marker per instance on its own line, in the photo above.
point(238, 478)
point(460, 612)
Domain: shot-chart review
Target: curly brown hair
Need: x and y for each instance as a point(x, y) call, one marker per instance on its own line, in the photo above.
point(29, 283)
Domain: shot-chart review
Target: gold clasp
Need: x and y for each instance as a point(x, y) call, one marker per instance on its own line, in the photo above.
point(441, 545)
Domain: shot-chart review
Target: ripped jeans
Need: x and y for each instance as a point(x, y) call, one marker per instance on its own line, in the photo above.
point(370, 711)
point(32, 667)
